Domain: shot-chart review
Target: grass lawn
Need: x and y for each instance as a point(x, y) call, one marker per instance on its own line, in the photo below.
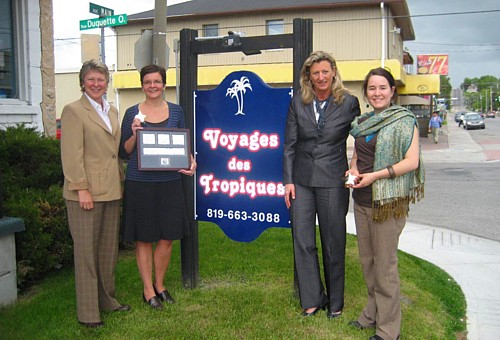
point(245, 292)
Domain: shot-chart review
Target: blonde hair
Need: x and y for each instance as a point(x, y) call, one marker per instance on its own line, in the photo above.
point(307, 90)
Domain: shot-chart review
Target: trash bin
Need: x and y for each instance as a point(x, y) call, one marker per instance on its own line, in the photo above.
point(423, 125)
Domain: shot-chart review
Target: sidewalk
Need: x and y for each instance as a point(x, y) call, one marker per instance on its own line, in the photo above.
point(473, 262)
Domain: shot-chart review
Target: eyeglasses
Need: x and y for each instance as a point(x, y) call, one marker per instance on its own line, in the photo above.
point(152, 82)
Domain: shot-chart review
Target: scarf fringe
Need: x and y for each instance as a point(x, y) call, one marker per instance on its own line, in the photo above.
point(396, 207)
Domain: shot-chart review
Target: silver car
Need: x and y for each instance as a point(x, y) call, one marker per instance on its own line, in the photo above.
point(473, 121)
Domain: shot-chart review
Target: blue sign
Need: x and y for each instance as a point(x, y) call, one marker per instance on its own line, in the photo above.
point(239, 132)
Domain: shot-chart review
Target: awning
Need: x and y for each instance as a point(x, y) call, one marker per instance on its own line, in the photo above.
point(413, 100)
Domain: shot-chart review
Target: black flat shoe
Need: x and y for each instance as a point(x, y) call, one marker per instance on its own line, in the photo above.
point(376, 337)
point(357, 325)
point(334, 315)
point(314, 312)
point(122, 308)
point(153, 302)
point(92, 324)
point(164, 296)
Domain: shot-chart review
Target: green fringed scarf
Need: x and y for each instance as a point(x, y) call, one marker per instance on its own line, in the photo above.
point(391, 197)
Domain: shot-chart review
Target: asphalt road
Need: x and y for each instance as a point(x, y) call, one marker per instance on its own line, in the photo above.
point(465, 197)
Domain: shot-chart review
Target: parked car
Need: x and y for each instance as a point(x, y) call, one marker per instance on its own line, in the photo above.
point(491, 114)
point(473, 121)
point(58, 127)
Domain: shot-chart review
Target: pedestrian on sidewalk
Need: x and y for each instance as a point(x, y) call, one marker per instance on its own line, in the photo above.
point(388, 164)
point(461, 120)
point(435, 124)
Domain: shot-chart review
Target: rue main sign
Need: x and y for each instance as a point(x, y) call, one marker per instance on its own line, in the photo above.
point(115, 20)
point(100, 10)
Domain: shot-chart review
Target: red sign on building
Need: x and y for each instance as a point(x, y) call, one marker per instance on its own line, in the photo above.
point(432, 64)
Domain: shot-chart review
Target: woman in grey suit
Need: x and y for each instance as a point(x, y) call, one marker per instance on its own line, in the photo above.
point(314, 164)
point(90, 137)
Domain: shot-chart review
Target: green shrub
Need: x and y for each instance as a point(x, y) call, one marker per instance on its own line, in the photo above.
point(31, 179)
point(28, 160)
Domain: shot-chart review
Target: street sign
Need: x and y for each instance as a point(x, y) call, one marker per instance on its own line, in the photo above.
point(100, 10)
point(115, 20)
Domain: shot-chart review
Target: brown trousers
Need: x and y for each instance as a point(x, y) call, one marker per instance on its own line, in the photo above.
point(378, 246)
point(95, 240)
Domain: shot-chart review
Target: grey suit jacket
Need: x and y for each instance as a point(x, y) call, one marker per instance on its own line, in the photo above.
point(313, 160)
point(89, 152)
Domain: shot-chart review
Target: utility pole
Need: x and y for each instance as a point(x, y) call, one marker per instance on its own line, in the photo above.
point(103, 48)
point(491, 99)
point(160, 47)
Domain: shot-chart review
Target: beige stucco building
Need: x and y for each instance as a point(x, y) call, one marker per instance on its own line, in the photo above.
point(360, 35)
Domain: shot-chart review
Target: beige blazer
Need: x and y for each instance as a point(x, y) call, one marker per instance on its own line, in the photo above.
point(89, 152)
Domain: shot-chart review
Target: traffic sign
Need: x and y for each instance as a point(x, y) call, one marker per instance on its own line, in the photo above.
point(115, 20)
point(100, 10)
point(143, 51)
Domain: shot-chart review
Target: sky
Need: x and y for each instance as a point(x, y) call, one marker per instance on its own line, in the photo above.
point(471, 40)
point(468, 31)
point(67, 16)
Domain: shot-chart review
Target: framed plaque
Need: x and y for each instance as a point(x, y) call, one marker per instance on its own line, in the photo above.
point(160, 149)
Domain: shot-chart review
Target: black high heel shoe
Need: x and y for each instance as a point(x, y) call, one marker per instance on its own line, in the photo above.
point(314, 312)
point(164, 296)
point(333, 315)
point(153, 302)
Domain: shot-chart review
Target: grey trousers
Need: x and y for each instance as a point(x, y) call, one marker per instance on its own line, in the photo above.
point(331, 206)
point(378, 247)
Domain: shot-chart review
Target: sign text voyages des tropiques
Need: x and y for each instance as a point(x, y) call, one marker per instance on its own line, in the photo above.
point(239, 150)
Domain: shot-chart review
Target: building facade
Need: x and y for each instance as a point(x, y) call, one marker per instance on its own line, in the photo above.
point(359, 34)
point(27, 80)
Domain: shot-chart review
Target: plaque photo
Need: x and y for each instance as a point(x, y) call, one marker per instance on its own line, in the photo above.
point(161, 149)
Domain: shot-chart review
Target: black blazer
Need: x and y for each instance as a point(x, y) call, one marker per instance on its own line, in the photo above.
point(313, 160)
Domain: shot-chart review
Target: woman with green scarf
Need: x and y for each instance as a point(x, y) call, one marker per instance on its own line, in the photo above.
point(389, 174)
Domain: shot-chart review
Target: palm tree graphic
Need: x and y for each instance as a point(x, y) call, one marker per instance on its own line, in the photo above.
point(238, 90)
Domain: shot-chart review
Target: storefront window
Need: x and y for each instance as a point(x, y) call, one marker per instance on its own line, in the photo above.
point(8, 88)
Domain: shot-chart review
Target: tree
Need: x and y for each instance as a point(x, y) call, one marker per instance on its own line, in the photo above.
point(445, 90)
point(480, 92)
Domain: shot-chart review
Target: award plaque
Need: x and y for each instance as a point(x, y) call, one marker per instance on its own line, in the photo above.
point(161, 149)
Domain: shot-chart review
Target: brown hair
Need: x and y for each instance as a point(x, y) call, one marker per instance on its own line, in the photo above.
point(153, 69)
point(92, 65)
point(379, 71)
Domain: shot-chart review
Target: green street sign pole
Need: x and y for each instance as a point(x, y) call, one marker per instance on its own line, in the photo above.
point(114, 20)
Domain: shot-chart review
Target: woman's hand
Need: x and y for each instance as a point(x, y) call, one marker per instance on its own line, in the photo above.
point(192, 168)
point(289, 194)
point(364, 180)
point(136, 125)
point(85, 199)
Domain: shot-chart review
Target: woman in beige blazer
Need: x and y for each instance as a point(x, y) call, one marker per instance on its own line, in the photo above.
point(90, 137)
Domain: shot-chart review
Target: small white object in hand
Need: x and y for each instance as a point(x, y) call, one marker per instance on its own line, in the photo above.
point(350, 179)
point(140, 116)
